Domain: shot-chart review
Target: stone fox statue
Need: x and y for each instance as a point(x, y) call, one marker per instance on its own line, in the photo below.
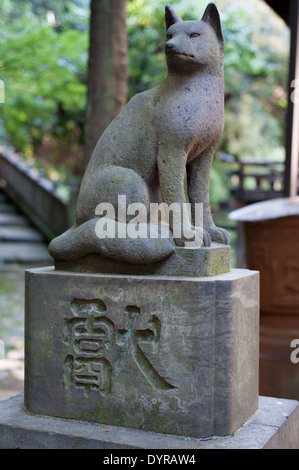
point(160, 136)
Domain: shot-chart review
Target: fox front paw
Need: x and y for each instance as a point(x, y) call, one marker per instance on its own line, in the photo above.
point(193, 237)
point(206, 241)
point(219, 235)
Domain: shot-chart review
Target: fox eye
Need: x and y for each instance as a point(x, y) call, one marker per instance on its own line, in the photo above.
point(169, 36)
point(194, 35)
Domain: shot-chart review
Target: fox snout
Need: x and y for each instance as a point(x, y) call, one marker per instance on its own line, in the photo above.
point(170, 47)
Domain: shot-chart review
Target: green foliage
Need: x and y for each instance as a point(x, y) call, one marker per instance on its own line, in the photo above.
point(44, 71)
point(69, 13)
point(256, 71)
point(43, 62)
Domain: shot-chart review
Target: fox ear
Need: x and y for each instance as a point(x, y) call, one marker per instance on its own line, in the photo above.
point(212, 17)
point(171, 16)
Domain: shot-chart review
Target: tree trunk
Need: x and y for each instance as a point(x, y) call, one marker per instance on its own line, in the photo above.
point(107, 68)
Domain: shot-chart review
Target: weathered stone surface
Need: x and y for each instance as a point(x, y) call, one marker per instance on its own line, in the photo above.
point(194, 262)
point(161, 135)
point(274, 426)
point(172, 355)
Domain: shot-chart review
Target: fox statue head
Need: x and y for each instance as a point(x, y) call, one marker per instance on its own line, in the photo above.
point(194, 45)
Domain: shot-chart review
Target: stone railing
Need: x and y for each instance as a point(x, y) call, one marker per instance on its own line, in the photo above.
point(38, 197)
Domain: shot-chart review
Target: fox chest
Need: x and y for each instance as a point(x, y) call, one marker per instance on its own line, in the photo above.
point(189, 120)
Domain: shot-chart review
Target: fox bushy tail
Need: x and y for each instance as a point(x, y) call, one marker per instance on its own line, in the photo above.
point(82, 240)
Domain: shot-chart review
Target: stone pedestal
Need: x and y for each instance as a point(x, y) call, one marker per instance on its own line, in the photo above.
point(194, 262)
point(176, 355)
point(273, 426)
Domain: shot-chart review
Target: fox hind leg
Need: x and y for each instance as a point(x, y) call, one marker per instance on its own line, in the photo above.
point(122, 187)
point(83, 238)
point(113, 186)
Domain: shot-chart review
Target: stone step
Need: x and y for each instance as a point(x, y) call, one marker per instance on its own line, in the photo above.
point(24, 252)
point(13, 219)
point(7, 208)
point(3, 198)
point(19, 241)
point(15, 233)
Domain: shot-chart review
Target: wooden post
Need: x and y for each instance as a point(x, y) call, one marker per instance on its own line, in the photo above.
point(292, 136)
point(107, 68)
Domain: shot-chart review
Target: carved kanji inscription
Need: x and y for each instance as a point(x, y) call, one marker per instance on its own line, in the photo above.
point(89, 335)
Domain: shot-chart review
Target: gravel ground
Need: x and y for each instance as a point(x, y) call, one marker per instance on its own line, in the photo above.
point(12, 284)
point(21, 247)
